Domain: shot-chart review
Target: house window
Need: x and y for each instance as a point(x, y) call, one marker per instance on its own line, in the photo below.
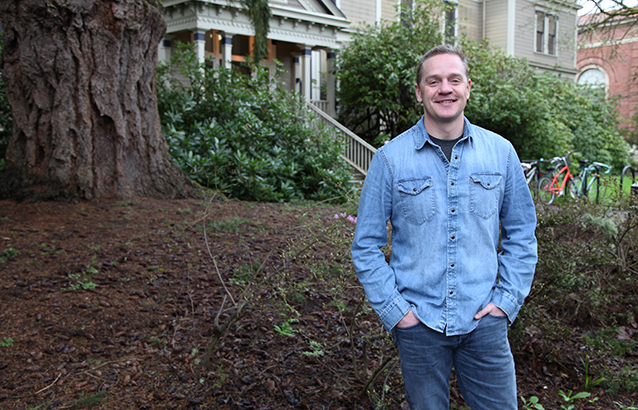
point(593, 77)
point(405, 14)
point(546, 31)
point(449, 22)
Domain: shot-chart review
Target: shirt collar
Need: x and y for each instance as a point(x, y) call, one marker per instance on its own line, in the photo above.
point(421, 138)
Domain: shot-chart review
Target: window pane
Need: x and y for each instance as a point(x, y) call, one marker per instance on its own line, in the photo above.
point(551, 37)
point(593, 77)
point(450, 25)
point(540, 29)
point(406, 13)
point(551, 25)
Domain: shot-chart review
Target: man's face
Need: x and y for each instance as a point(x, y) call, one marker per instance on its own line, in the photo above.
point(444, 89)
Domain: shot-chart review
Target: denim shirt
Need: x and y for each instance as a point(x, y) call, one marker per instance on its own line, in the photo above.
point(445, 264)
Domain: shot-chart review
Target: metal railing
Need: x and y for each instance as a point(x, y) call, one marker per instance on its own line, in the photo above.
point(357, 152)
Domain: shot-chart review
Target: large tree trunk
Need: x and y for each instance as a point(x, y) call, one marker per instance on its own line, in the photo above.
point(80, 77)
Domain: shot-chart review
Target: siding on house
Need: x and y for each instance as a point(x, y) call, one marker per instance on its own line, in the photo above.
point(564, 61)
point(470, 19)
point(496, 23)
point(525, 38)
point(389, 10)
point(360, 12)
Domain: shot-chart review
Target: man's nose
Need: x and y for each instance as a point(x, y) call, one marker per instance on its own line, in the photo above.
point(445, 87)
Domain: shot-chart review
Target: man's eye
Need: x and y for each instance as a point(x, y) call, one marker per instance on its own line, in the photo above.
point(433, 82)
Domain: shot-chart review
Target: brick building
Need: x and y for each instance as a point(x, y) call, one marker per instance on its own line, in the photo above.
point(608, 57)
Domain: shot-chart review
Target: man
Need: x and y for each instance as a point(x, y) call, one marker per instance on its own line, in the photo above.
point(448, 188)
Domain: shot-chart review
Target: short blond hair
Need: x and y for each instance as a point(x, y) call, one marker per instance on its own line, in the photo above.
point(442, 49)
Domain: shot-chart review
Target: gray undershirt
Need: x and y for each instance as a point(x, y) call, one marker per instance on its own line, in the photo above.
point(445, 145)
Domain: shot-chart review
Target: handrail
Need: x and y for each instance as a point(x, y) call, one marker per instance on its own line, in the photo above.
point(357, 152)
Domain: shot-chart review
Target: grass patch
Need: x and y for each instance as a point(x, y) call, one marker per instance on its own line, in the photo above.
point(125, 203)
point(92, 400)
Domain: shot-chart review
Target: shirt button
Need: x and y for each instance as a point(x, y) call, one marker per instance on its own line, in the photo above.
point(453, 210)
point(453, 237)
point(452, 183)
point(451, 265)
point(451, 292)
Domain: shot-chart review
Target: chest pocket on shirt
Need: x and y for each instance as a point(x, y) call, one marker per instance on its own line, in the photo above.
point(417, 199)
point(484, 194)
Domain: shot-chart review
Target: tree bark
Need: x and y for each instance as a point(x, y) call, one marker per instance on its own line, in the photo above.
point(80, 78)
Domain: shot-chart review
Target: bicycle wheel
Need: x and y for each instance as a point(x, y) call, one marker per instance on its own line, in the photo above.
point(627, 180)
point(544, 192)
point(593, 189)
point(533, 185)
point(574, 187)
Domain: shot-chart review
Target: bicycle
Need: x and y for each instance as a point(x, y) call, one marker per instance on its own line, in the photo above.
point(550, 188)
point(628, 184)
point(533, 174)
point(591, 186)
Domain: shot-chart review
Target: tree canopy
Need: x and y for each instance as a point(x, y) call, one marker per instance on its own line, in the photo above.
point(543, 115)
point(376, 72)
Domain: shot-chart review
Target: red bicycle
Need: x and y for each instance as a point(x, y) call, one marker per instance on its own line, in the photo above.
point(562, 181)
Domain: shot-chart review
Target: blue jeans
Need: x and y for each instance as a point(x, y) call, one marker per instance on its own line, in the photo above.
point(482, 360)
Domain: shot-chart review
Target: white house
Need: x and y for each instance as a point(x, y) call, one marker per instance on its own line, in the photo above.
point(304, 36)
point(542, 31)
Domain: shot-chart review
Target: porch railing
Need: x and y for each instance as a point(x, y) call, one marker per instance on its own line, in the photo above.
point(357, 152)
point(321, 104)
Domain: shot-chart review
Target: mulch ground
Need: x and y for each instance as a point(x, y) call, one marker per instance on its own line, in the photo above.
point(113, 305)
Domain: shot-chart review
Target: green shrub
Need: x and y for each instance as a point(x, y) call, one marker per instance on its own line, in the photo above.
point(607, 341)
point(584, 271)
point(543, 115)
point(244, 135)
point(376, 73)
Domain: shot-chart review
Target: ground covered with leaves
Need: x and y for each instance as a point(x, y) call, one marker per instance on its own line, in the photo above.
point(193, 304)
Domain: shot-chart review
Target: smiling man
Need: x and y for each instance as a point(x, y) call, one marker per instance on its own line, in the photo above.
point(451, 191)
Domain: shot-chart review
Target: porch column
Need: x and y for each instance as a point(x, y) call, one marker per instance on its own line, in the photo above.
point(165, 49)
point(298, 74)
point(330, 83)
point(306, 77)
point(227, 49)
point(199, 39)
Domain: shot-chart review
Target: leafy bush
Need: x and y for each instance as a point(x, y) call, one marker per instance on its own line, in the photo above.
point(376, 74)
point(586, 270)
point(542, 114)
point(583, 299)
point(244, 135)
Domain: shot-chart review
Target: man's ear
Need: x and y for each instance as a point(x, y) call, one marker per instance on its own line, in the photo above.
point(417, 92)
